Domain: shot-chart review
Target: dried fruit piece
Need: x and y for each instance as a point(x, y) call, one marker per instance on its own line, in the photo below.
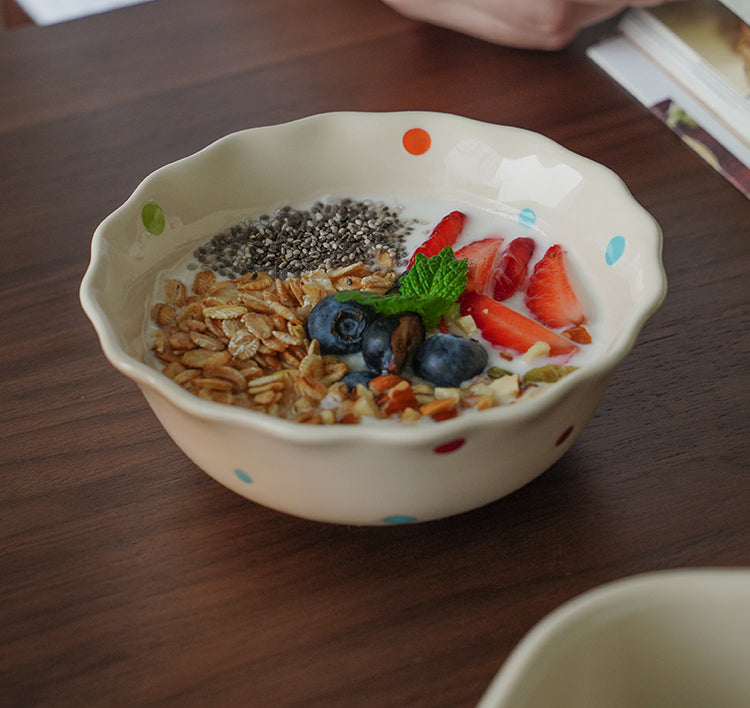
point(390, 342)
point(444, 234)
point(549, 373)
point(550, 296)
point(482, 256)
point(507, 329)
point(511, 271)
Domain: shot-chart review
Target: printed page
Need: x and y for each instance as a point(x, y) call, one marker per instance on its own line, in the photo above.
point(713, 33)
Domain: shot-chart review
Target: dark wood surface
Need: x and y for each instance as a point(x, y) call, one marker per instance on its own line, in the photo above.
point(128, 577)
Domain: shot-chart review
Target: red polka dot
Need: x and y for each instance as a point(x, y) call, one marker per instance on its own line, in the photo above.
point(450, 446)
point(417, 141)
point(564, 436)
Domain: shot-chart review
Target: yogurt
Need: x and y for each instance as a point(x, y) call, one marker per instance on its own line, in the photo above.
point(420, 215)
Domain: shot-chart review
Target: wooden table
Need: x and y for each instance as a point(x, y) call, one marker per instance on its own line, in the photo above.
point(128, 577)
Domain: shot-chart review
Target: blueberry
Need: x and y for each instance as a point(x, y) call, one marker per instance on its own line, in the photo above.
point(447, 360)
point(390, 342)
point(359, 377)
point(339, 326)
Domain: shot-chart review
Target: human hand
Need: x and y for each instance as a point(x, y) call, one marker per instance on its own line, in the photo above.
point(530, 24)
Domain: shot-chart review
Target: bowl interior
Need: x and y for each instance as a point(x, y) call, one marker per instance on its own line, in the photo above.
point(527, 181)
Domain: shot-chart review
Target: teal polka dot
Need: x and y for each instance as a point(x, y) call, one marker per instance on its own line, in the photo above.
point(399, 519)
point(243, 476)
point(615, 249)
point(527, 217)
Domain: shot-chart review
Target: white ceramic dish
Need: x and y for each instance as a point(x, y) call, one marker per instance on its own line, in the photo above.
point(671, 639)
point(379, 474)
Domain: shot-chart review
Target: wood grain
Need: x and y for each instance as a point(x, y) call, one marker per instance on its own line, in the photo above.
point(12, 14)
point(128, 577)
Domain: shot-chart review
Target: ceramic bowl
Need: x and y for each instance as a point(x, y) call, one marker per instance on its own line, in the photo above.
point(389, 473)
point(670, 639)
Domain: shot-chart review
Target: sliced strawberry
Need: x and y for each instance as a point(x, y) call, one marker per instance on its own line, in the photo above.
point(511, 271)
point(550, 296)
point(444, 234)
point(482, 256)
point(507, 329)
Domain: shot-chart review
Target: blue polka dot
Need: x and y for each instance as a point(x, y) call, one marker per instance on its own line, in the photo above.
point(243, 476)
point(399, 519)
point(615, 249)
point(527, 217)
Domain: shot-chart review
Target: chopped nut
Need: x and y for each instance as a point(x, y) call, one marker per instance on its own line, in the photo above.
point(364, 406)
point(385, 381)
point(535, 351)
point(438, 407)
point(579, 335)
point(409, 415)
point(467, 325)
point(398, 399)
point(447, 392)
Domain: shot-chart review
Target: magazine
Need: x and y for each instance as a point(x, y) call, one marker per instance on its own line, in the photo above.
point(688, 63)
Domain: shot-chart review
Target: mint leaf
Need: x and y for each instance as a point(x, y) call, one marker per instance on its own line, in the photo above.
point(430, 287)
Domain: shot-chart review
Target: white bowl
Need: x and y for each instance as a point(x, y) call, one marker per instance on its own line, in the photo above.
point(389, 473)
point(670, 639)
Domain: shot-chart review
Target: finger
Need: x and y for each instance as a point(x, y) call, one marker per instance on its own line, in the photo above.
point(537, 24)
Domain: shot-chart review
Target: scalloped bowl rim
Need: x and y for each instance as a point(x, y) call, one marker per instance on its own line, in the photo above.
point(394, 433)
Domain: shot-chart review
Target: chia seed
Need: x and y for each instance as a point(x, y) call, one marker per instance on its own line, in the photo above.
point(289, 242)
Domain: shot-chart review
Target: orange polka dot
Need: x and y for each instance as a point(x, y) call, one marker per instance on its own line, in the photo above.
point(417, 141)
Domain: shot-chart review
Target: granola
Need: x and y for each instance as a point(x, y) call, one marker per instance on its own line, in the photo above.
point(242, 342)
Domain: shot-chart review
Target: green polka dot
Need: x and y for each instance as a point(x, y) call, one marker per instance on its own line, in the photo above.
point(153, 218)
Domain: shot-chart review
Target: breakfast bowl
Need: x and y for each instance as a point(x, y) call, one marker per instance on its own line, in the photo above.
point(655, 640)
point(382, 469)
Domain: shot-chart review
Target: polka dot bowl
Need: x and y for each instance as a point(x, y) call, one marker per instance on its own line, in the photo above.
point(384, 472)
